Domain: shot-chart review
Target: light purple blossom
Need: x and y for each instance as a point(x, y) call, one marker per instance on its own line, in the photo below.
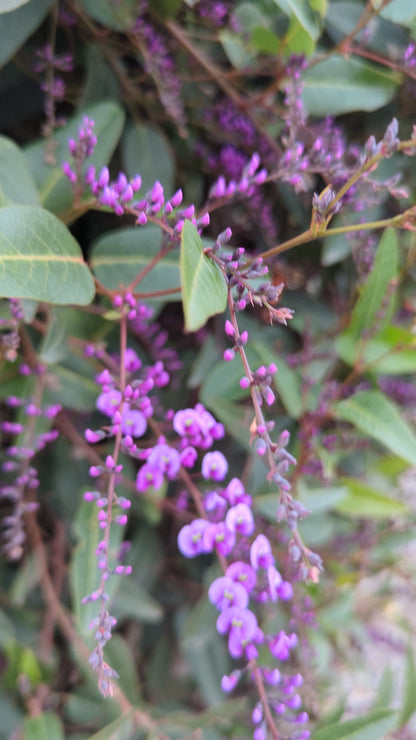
point(166, 459)
point(280, 645)
point(261, 553)
point(224, 593)
point(242, 573)
point(190, 538)
point(240, 519)
point(214, 466)
point(242, 627)
point(218, 536)
point(133, 422)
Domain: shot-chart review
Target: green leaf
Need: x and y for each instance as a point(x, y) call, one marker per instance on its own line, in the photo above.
point(40, 259)
point(375, 415)
point(409, 699)
point(372, 726)
point(55, 191)
point(205, 652)
point(121, 729)
point(18, 25)
point(204, 291)
point(45, 726)
point(265, 40)
point(385, 689)
point(121, 658)
point(335, 249)
point(392, 352)
point(364, 501)
point(234, 417)
point(7, 5)
point(339, 85)
point(16, 181)
point(302, 10)
point(119, 256)
point(222, 381)
point(134, 602)
point(146, 152)
point(118, 16)
point(399, 11)
point(298, 40)
point(373, 294)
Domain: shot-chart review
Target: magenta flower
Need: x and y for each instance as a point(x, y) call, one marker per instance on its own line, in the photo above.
point(235, 493)
point(242, 627)
point(214, 466)
point(280, 645)
point(190, 538)
point(261, 553)
point(224, 593)
point(240, 519)
point(148, 477)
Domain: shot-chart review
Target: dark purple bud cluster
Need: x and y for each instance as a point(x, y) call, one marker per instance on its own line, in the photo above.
point(53, 86)
point(160, 65)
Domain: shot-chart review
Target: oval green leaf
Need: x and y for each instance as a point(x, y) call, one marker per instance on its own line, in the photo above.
point(338, 85)
point(40, 259)
point(18, 25)
point(204, 291)
point(363, 501)
point(146, 152)
point(374, 414)
point(119, 256)
point(45, 726)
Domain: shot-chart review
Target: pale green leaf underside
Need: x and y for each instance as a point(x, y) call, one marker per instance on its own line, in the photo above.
point(204, 291)
point(40, 259)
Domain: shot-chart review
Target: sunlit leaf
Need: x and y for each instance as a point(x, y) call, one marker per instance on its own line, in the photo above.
point(40, 259)
point(204, 292)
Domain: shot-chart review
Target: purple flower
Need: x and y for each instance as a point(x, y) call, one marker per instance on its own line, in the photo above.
point(190, 538)
point(214, 466)
point(166, 459)
point(242, 627)
point(242, 573)
point(280, 645)
point(261, 553)
point(108, 402)
point(148, 477)
point(224, 593)
point(240, 519)
point(219, 536)
point(133, 422)
point(235, 493)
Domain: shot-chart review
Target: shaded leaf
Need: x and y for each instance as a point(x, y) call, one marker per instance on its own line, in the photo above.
point(119, 256)
point(45, 726)
point(341, 85)
point(146, 152)
point(375, 415)
point(392, 352)
point(118, 16)
point(16, 180)
point(40, 259)
point(18, 25)
point(399, 11)
point(373, 294)
point(409, 697)
point(121, 729)
point(204, 292)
